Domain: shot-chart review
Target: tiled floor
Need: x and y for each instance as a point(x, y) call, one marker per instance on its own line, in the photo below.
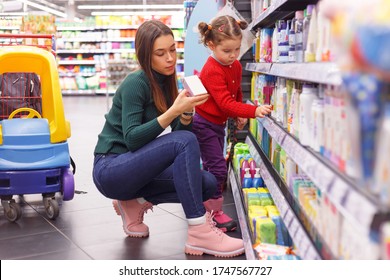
point(87, 226)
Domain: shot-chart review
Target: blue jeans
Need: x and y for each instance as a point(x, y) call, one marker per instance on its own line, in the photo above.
point(164, 170)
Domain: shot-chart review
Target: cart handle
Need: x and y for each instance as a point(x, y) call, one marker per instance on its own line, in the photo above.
point(47, 36)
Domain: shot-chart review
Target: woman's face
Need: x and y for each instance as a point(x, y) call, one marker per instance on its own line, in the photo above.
point(164, 55)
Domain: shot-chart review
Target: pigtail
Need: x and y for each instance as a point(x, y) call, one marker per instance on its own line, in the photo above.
point(242, 24)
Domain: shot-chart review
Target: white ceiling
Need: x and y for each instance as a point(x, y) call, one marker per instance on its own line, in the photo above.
point(70, 6)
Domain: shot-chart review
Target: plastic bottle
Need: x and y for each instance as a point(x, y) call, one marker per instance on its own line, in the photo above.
point(382, 163)
point(312, 38)
point(247, 180)
point(257, 181)
point(275, 50)
point(308, 95)
point(317, 125)
point(283, 41)
point(244, 165)
point(306, 24)
point(298, 37)
point(291, 41)
point(252, 167)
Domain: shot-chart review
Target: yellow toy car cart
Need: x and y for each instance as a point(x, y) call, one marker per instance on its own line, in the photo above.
point(34, 153)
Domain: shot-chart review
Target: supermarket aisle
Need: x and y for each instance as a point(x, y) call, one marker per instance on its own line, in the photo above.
point(87, 227)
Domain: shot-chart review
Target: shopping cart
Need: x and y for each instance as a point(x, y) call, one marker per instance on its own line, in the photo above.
point(34, 153)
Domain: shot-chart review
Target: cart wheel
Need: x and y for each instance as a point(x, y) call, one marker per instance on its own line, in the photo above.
point(67, 185)
point(13, 212)
point(52, 209)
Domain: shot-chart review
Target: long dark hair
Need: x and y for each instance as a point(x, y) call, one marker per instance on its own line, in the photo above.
point(145, 37)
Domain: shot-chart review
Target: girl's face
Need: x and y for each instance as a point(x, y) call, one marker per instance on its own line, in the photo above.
point(164, 55)
point(227, 51)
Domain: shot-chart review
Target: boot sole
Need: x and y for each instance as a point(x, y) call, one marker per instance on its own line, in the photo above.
point(118, 211)
point(197, 251)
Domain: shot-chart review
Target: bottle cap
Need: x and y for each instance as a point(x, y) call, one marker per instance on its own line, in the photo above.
point(299, 15)
point(309, 9)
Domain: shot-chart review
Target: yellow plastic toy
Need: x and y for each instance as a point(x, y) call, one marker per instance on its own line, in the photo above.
point(34, 153)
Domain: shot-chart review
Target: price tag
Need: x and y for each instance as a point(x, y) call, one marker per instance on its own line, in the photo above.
point(321, 176)
point(338, 192)
point(360, 209)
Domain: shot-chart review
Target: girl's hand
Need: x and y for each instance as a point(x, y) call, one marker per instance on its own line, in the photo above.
point(263, 110)
point(241, 122)
point(186, 103)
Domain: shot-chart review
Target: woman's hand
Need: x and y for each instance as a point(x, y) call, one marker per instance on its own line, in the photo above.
point(186, 103)
point(263, 110)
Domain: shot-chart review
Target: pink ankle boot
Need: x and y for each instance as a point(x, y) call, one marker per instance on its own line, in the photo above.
point(132, 213)
point(223, 221)
point(207, 238)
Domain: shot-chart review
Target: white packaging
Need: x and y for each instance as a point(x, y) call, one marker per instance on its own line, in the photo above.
point(194, 85)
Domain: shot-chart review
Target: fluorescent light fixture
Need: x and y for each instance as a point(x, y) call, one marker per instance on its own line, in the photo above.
point(139, 13)
point(10, 6)
point(14, 14)
point(130, 7)
point(44, 8)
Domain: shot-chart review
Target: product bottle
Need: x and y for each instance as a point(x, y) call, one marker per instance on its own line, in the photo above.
point(306, 24)
point(298, 37)
point(252, 167)
point(275, 47)
point(291, 42)
point(295, 109)
point(244, 165)
point(311, 47)
point(317, 125)
point(247, 180)
point(308, 95)
point(382, 163)
point(257, 180)
point(283, 41)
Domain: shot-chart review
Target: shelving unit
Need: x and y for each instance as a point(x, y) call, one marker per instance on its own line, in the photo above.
point(358, 208)
point(90, 48)
point(283, 202)
point(279, 9)
point(316, 72)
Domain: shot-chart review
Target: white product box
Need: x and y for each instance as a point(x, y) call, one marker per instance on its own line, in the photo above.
point(194, 85)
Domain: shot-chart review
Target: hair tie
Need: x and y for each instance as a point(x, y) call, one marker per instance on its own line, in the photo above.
point(238, 22)
point(209, 27)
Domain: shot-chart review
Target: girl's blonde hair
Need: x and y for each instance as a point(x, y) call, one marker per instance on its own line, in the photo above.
point(221, 28)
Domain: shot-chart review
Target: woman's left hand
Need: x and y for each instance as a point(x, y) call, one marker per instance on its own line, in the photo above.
point(186, 103)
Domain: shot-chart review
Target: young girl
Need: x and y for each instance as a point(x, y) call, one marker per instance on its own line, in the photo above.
point(138, 167)
point(221, 76)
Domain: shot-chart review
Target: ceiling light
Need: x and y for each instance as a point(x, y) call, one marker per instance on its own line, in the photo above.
point(129, 7)
point(138, 13)
point(44, 8)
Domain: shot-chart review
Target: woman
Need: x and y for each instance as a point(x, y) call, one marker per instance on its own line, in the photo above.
point(138, 167)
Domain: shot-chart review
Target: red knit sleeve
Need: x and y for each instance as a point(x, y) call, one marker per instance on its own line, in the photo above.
point(215, 81)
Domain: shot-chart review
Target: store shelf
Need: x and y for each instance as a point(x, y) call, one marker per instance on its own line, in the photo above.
point(242, 217)
point(279, 9)
point(95, 51)
point(82, 92)
point(316, 72)
point(99, 40)
point(359, 207)
point(105, 27)
point(301, 239)
point(77, 62)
